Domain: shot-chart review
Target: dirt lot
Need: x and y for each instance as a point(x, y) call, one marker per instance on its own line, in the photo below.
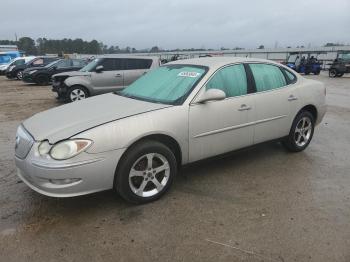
point(262, 204)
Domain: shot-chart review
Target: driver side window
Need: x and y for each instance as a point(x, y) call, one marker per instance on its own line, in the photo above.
point(231, 79)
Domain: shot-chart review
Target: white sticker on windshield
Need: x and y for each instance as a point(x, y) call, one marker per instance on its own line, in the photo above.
point(188, 74)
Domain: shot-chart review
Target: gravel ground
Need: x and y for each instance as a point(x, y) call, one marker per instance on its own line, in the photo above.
point(259, 204)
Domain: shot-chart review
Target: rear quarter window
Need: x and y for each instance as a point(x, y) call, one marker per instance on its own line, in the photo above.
point(290, 77)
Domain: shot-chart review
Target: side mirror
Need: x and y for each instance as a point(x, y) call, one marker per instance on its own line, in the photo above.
point(211, 95)
point(99, 69)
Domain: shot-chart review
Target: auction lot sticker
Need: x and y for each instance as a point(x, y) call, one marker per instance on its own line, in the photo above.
point(188, 74)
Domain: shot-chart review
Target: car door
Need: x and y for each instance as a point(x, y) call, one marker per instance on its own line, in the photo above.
point(221, 126)
point(275, 102)
point(135, 68)
point(110, 78)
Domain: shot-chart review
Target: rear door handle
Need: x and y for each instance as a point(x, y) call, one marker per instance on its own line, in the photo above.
point(118, 75)
point(292, 98)
point(244, 107)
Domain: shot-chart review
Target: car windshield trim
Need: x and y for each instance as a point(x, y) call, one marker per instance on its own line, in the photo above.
point(178, 101)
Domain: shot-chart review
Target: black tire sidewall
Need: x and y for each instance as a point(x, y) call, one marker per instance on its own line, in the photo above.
point(121, 180)
point(290, 141)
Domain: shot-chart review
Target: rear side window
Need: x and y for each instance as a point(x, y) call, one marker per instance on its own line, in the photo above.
point(39, 61)
point(138, 64)
point(267, 77)
point(231, 79)
point(63, 63)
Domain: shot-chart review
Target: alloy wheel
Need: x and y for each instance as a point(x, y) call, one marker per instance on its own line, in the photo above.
point(303, 131)
point(20, 75)
point(77, 94)
point(149, 175)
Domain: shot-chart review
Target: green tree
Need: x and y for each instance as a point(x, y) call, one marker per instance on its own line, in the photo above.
point(27, 45)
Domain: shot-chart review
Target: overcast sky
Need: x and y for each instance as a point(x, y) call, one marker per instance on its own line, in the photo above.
point(180, 23)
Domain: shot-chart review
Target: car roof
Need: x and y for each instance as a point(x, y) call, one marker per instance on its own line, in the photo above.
point(129, 56)
point(216, 62)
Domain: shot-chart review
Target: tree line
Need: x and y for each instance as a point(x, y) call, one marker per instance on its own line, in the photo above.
point(43, 46)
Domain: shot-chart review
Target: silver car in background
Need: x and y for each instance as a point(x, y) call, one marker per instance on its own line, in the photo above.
point(105, 74)
point(135, 140)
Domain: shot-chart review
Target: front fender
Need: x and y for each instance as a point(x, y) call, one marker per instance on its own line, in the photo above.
point(79, 80)
point(122, 133)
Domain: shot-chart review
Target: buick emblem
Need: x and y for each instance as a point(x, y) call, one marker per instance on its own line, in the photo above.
point(17, 141)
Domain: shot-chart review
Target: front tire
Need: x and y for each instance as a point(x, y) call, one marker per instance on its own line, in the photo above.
point(19, 74)
point(76, 93)
point(301, 132)
point(145, 172)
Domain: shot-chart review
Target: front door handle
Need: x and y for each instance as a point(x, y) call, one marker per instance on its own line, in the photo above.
point(244, 107)
point(118, 75)
point(292, 98)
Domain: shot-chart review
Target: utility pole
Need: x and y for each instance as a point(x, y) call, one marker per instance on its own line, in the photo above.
point(16, 36)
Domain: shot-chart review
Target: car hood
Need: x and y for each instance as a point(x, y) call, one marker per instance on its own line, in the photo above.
point(73, 73)
point(68, 120)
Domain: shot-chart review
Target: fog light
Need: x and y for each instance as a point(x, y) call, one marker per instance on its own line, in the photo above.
point(64, 181)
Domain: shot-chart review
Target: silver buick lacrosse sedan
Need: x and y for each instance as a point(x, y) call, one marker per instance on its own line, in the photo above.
point(135, 140)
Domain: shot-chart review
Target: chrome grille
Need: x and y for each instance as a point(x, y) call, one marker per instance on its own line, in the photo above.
point(24, 142)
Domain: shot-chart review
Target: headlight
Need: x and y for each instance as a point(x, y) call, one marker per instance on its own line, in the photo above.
point(69, 148)
point(32, 72)
point(65, 149)
point(11, 67)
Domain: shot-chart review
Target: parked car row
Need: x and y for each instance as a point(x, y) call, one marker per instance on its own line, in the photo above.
point(16, 68)
point(42, 74)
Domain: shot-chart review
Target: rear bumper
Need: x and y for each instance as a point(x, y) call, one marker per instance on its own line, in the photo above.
point(86, 174)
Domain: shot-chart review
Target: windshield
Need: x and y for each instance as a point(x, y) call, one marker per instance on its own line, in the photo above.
point(344, 56)
point(169, 84)
point(292, 58)
point(91, 66)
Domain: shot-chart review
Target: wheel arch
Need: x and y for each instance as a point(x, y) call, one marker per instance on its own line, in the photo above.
point(312, 109)
point(165, 139)
point(81, 86)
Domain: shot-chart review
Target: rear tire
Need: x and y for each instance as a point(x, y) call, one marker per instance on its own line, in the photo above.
point(76, 93)
point(301, 132)
point(145, 172)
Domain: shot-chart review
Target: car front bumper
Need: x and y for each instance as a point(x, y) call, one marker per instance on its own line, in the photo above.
point(83, 174)
point(60, 88)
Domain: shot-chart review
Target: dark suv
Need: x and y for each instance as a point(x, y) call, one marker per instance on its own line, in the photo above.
point(42, 75)
point(17, 71)
point(341, 65)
